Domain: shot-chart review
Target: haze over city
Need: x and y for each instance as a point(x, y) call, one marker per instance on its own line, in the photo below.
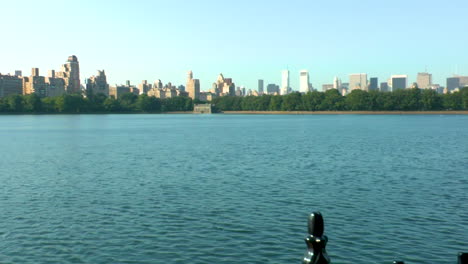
point(150, 40)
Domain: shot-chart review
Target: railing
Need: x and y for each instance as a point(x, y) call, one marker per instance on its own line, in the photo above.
point(316, 242)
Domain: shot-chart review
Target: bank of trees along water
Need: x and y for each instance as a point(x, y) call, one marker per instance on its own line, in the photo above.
point(358, 100)
point(400, 100)
point(75, 103)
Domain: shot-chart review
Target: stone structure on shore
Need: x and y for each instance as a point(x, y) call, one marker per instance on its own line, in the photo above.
point(202, 109)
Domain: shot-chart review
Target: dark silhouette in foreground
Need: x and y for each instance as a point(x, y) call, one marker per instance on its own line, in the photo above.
point(316, 242)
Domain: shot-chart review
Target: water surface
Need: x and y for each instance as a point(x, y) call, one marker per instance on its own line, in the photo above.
point(231, 189)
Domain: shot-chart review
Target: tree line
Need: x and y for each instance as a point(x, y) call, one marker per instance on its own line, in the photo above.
point(331, 100)
point(358, 100)
point(76, 103)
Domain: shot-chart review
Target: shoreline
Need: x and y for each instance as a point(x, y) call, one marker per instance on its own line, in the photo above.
point(346, 113)
point(461, 112)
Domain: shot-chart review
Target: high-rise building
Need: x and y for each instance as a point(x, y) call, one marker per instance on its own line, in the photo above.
point(453, 83)
point(193, 86)
point(398, 82)
point(144, 87)
point(43, 86)
point(273, 89)
point(304, 82)
point(456, 82)
point(18, 73)
point(326, 87)
point(35, 72)
point(71, 74)
point(357, 82)
point(119, 90)
point(35, 84)
point(344, 88)
point(10, 85)
point(384, 87)
point(285, 88)
point(463, 81)
point(374, 84)
point(260, 86)
point(337, 83)
point(224, 86)
point(55, 86)
point(239, 92)
point(97, 84)
point(424, 80)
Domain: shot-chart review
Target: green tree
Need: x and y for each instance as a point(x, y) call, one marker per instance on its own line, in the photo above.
point(411, 100)
point(3, 105)
point(96, 102)
point(263, 102)
point(112, 105)
point(333, 101)
point(32, 103)
point(15, 103)
point(464, 97)
point(71, 103)
point(430, 100)
point(452, 101)
point(249, 103)
point(49, 105)
point(127, 101)
point(148, 104)
point(275, 103)
point(375, 100)
point(311, 101)
point(358, 100)
point(387, 101)
point(398, 98)
point(292, 102)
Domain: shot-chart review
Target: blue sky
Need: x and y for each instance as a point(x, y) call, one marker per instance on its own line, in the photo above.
point(246, 40)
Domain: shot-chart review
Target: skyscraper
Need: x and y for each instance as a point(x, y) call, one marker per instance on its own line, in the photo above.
point(456, 82)
point(424, 80)
point(10, 85)
point(358, 82)
point(97, 84)
point(193, 86)
point(374, 84)
point(398, 82)
point(304, 82)
point(71, 74)
point(384, 87)
point(273, 89)
point(285, 82)
point(260, 86)
point(337, 83)
point(225, 86)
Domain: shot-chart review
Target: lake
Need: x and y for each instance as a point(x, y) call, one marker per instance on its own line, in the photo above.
point(232, 188)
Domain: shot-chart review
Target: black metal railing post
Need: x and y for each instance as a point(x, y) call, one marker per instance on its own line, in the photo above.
point(463, 258)
point(316, 241)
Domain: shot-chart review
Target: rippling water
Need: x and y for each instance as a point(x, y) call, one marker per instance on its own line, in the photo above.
point(231, 189)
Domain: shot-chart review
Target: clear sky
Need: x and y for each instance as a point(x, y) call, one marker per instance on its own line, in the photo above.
point(244, 39)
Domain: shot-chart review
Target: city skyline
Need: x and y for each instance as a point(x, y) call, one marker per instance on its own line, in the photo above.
point(152, 40)
point(67, 80)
